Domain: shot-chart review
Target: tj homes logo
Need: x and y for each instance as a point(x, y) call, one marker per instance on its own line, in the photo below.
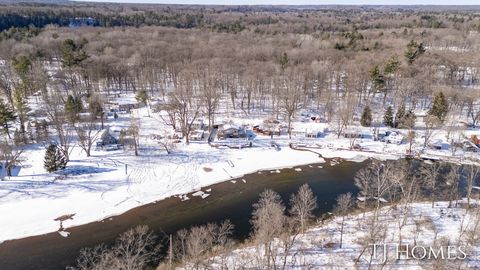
point(383, 252)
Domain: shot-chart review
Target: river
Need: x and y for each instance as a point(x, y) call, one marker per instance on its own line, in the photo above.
point(228, 200)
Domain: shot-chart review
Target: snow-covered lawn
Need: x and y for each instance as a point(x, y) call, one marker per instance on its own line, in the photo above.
point(319, 247)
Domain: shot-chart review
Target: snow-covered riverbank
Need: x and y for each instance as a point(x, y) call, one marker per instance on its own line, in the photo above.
point(433, 229)
point(109, 184)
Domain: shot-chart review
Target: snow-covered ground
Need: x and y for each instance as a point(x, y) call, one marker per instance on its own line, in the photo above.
point(30, 203)
point(111, 182)
point(425, 227)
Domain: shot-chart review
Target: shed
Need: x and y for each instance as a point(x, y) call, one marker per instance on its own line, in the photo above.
point(231, 132)
point(107, 139)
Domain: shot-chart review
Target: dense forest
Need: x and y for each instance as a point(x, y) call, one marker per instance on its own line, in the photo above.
point(64, 64)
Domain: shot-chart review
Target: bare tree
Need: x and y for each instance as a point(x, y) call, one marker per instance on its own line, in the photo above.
point(291, 97)
point(473, 110)
point(210, 95)
point(374, 181)
point(471, 174)
point(344, 114)
point(56, 116)
point(167, 143)
point(133, 250)
point(183, 107)
point(136, 248)
point(134, 132)
point(344, 204)
point(87, 134)
point(197, 246)
point(411, 140)
point(96, 258)
point(431, 123)
point(303, 203)
point(452, 180)
point(286, 241)
point(431, 174)
point(268, 220)
point(10, 156)
point(375, 233)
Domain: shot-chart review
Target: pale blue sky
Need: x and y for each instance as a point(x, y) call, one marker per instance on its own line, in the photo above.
point(301, 2)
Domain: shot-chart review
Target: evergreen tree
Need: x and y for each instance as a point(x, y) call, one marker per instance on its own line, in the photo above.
point(7, 115)
point(73, 106)
point(22, 108)
point(21, 65)
point(366, 120)
point(409, 121)
point(50, 160)
point(400, 116)
point(392, 65)
point(388, 117)
point(54, 159)
point(284, 61)
point(377, 78)
point(72, 53)
point(96, 109)
point(413, 50)
point(142, 96)
point(440, 107)
point(70, 108)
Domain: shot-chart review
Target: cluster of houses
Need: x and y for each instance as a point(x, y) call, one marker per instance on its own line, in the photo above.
point(311, 126)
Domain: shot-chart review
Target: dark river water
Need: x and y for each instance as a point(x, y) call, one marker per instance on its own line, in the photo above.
point(227, 201)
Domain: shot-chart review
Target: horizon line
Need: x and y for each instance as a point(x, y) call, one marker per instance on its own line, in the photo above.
point(146, 2)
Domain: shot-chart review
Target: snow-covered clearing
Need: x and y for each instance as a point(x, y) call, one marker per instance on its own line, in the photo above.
point(319, 247)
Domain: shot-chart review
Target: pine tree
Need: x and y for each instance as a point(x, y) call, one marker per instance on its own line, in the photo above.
point(22, 108)
point(388, 117)
point(392, 65)
point(54, 159)
point(142, 96)
point(95, 107)
point(72, 53)
point(409, 121)
point(73, 106)
point(377, 78)
point(400, 116)
point(61, 159)
point(284, 61)
point(21, 65)
point(413, 50)
point(440, 107)
point(366, 120)
point(7, 115)
point(50, 160)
